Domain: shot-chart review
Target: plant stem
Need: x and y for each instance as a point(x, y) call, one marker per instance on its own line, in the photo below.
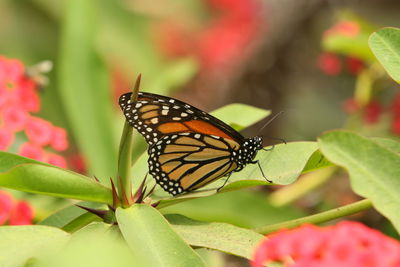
point(320, 217)
point(80, 222)
point(123, 181)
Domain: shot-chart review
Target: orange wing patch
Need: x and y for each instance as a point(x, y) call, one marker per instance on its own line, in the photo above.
point(203, 127)
point(172, 127)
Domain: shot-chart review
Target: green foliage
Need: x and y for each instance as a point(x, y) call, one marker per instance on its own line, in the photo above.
point(219, 236)
point(97, 245)
point(83, 85)
point(240, 116)
point(146, 230)
point(385, 43)
point(20, 243)
point(373, 168)
point(64, 216)
point(240, 208)
point(36, 177)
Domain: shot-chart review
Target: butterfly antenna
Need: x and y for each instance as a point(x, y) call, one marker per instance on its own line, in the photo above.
point(271, 120)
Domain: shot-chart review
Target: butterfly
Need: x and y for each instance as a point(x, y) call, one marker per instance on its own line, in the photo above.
point(188, 148)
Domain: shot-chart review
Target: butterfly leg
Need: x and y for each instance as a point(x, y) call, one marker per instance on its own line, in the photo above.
point(262, 172)
point(227, 178)
point(269, 149)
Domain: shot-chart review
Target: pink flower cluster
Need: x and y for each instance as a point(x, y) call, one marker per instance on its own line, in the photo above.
point(18, 99)
point(225, 39)
point(347, 28)
point(374, 109)
point(331, 64)
point(14, 212)
point(345, 244)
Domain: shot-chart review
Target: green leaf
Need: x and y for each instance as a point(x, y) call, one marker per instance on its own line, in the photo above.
point(83, 85)
point(283, 164)
point(220, 236)
point(66, 215)
point(241, 208)
point(316, 161)
point(48, 180)
point(10, 160)
point(152, 240)
point(97, 244)
point(240, 116)
point(19, 243)
point(388, 143)
point(385, 44)
point(373, 168)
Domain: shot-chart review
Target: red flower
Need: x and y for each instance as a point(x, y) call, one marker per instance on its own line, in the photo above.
point(39, 131)
point(59, 139)
point(372, 112)
point(14, 118)
point(56, 160)
point(227, 39)
point(396, 126)
point(396, 106)
point(6, 139)
point(14, 212)
point(6, 205)
point(354, 65)
point(350, 106)
point(173, 39)
point(7, 97)
point(22, 214)
point(345, 244)
point(32, 151)
point(329, 63)
point(11, 70)
point(78, 163)
point(18, 97)
point(28, 97)
point(345, 28)
point(395, 109)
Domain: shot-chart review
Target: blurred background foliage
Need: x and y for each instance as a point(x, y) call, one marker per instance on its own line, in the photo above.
point(309, 58)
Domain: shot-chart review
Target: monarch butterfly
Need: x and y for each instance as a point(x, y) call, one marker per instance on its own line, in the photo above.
point(188, 148)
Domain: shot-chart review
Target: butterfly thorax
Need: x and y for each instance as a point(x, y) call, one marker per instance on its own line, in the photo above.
point(248, 151)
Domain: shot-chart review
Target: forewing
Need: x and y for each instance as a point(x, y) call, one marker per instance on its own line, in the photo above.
point(155, 116)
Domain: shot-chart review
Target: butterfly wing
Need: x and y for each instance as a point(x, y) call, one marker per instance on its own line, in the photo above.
point(155, 116)
point(183, 162)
